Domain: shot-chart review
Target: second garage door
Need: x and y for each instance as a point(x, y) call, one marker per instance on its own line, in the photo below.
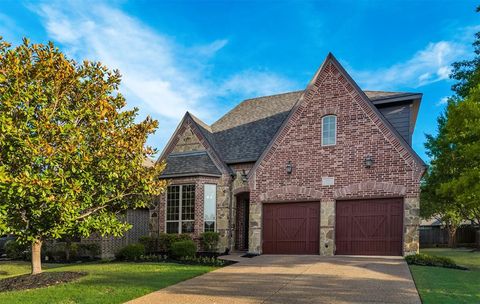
point(291, 228)
point(369, 227)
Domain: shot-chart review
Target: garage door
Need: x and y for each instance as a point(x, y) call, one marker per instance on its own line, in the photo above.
point(369, 227)
point(291, 228)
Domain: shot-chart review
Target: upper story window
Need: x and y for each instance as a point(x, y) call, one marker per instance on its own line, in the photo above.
point(329, 130)
point(180, 209)
point(209, 207)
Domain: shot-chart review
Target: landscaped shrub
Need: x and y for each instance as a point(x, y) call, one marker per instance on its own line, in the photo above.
point(209, 241)
point(165, 240)
point(150, 243)
point(431, 260)
point(91, 250)
point(60, 251)
point(15, 250)
point(131, 252)
point(183, 249)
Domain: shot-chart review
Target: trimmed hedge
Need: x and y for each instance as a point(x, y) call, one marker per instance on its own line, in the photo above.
point(432, 260)
point(131, 252)
point(209, 241)
point(184, 249)
point(166, 240)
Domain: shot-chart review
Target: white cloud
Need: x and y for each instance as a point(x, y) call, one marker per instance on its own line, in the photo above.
point(443, 101)
point(427, 66)
point(146, 59)
point(163, 78)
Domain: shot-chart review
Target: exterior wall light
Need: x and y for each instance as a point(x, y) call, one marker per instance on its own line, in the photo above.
point(289, 167)
point(244, 176)
point(368, 161)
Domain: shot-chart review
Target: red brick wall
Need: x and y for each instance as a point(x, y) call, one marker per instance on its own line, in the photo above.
point(359, 133)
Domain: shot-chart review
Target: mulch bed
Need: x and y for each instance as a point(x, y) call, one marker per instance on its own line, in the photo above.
point(44, 279)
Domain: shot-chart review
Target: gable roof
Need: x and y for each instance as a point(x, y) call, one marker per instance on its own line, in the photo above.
point(386, 128)
point(244, 133)
point(193, 162)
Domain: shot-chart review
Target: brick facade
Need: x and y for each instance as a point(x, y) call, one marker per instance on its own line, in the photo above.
point(158, 216)
point(360, 133)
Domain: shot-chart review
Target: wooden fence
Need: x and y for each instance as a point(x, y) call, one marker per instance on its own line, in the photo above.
point(436, 236)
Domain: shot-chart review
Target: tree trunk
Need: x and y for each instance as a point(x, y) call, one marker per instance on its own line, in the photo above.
point(36, 257)
point(452, 237)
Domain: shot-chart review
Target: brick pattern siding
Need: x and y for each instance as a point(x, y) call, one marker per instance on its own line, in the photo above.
point(138, 218)
point(360, 132)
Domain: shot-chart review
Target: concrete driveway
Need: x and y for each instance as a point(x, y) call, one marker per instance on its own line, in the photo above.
point(297, 279)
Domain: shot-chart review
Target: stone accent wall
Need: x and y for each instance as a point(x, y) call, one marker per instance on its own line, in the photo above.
point(411, 225)
point(327, 227)
point(255, 231)
point(360, 133)
point(188, 142)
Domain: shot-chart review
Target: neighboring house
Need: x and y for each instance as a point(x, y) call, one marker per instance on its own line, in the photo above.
point(434, 234)
point(328, 170)
point(138, 218)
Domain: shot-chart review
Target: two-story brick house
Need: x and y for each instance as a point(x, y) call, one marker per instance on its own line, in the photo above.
point(328, 170)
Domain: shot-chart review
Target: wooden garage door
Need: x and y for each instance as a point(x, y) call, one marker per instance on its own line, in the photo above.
point(369, 227)
point(291, 228)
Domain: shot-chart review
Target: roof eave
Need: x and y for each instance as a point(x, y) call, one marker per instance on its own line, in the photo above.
point(168, 176)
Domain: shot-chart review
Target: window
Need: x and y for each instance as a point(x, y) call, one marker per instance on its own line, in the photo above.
point(180, 208)
point(209, 207)
point(329, 130)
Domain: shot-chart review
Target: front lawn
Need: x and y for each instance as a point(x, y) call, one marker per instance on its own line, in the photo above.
point(443, 285)
point(105, 282)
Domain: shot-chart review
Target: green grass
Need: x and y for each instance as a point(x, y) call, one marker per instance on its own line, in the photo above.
point(443, 285)
point(105, 282)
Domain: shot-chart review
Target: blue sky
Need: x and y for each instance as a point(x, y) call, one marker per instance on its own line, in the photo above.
point(206, 56)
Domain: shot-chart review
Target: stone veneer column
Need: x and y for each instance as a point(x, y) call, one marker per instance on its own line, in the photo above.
point(255, 228)
point(411, 225)
point(223, 204)
point(327, 228)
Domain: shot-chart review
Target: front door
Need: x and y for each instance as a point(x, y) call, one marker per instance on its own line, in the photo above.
point(241, 231)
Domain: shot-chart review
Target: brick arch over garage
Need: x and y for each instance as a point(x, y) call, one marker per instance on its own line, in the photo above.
point(370, 187)
point(285, 191)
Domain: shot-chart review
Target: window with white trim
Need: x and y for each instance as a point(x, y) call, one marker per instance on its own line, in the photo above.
point(180, 209)
point(329, 130)
point(209, 207)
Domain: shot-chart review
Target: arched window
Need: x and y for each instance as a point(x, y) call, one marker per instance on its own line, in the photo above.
point(329, 130)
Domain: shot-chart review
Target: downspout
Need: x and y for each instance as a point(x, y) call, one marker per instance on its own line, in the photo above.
point(230, 211)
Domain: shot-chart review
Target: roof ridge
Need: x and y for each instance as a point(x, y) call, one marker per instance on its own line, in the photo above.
point(200, 122)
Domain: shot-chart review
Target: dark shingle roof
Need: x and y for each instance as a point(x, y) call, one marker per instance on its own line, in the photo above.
point(246, 142)
point(242, 134)
point(189, 163)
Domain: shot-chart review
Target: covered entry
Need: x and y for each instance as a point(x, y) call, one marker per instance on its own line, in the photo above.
point(291, 228)
point(369, 226)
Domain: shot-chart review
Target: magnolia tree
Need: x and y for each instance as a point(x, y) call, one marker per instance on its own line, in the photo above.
point(71, 157)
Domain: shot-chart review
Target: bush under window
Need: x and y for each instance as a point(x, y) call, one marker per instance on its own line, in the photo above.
point(131, 252)
point(183, 249)
point(209, 241)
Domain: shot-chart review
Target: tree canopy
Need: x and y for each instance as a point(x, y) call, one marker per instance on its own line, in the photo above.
point(451, 187)
point(71, 156)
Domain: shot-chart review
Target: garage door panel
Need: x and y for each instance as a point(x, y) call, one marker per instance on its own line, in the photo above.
point(369, 227)
point(291, 228)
